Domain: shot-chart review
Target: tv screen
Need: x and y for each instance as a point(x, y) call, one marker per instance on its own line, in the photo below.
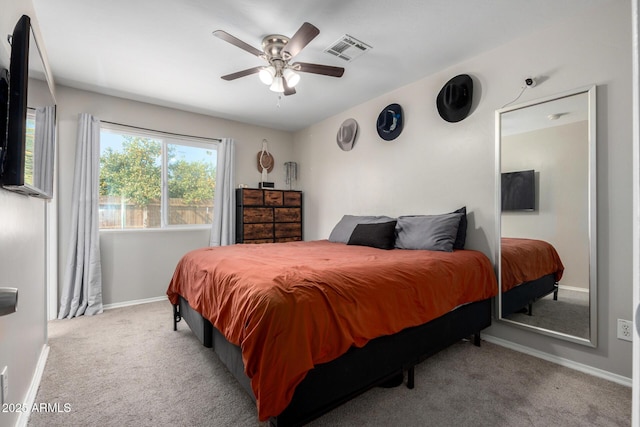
point(14, 161)
point(28, 155)
point(4, 110)
point(519, 191)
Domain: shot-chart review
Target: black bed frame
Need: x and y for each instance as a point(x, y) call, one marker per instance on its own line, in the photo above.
point(379, 362)
point(524, 295)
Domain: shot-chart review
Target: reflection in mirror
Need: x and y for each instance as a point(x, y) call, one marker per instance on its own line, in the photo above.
point(41, 123)
point(41, 128)
point(546, 180)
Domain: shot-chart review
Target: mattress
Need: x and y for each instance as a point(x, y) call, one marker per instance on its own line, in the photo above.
point(292, 306)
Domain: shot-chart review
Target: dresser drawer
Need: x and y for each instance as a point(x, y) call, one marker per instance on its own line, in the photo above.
point(258, 231)
point(292, 229)
point(288, 214)
point(273, 198)
point(257, 241)
point(288, 239)
point(254, 215)
point(252, 197)
point(292, 198)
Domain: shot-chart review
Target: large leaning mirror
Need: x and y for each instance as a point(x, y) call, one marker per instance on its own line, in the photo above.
point(546, 186)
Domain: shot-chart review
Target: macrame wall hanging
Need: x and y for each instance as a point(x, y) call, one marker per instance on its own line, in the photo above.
point(265, 165)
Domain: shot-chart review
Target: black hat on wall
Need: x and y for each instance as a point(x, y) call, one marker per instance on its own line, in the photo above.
point(390, 121)
point(454, 99)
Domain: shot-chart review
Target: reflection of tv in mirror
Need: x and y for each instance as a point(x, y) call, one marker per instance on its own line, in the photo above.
point(28, 152)
point(519, 191)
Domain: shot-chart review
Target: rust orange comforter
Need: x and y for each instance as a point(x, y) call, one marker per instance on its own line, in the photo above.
point(524, 260)
point(290, 306)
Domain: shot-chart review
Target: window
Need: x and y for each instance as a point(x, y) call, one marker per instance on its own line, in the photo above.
point(151, 180)
point(28, 149)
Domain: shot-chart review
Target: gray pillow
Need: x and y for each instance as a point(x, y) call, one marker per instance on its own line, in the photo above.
point(431, 232)
point(343, 229)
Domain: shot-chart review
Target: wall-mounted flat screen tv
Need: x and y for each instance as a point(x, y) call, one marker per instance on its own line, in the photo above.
point(4, 110)
point(28, 152)
point(519, 191)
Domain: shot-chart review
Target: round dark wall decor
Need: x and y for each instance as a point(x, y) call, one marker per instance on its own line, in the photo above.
point(454, 99)
point(390, 122)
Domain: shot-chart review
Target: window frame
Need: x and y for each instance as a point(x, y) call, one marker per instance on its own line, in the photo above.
point(166, 139)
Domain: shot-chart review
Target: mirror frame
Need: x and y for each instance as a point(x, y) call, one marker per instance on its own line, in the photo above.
point(591, 341)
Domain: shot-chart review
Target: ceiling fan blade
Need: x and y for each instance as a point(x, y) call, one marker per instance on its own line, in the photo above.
point(242, 73)
point(325, 70)
point(300, 39)
point(237, 42)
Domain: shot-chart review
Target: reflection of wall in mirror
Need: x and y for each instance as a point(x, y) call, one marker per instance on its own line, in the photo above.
point(41, 123)
point(560, 156)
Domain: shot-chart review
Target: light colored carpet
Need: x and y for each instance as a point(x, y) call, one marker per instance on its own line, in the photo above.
point(127, 367)
point(569, 314)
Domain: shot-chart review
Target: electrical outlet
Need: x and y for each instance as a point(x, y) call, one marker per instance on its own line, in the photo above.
point(625, 330)
point(4, 384)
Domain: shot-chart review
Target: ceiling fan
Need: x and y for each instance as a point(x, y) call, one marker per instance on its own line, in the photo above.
point(278, 51)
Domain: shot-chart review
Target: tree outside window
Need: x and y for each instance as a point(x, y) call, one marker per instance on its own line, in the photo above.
point(150, 182)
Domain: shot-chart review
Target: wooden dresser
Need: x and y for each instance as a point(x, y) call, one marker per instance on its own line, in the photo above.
point(266, 216)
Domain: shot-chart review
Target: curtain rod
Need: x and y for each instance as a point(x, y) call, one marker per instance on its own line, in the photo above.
point(161, 131)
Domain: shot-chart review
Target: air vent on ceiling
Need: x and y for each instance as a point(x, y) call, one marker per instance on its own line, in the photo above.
point(348, 48)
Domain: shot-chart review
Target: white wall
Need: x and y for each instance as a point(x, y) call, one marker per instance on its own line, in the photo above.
point(23, 335)
point(435, 166)
point(139, 264)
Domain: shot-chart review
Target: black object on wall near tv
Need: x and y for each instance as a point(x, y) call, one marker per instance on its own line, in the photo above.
point(27, 154)
point(4, 110)
point(519, 191)
point(14, 156)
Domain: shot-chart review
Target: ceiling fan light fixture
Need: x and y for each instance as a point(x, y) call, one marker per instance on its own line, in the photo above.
point(267, 74)
point(277, 85)
point(277, 51)
point(291, 77)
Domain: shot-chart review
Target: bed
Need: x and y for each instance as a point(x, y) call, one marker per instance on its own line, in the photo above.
point(530, 270)
point(306, 326)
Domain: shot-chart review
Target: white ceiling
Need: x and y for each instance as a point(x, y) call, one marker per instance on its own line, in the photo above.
point(542, 114)
point(163, 52)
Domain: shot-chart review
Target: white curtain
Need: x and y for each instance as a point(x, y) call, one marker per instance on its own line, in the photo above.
point(224, 207)
point(82, 286)
point(44, 150)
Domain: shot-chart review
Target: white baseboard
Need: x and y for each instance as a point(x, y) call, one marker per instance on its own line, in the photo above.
point(30, 399)
point(573, 288)
point(134, 302)
point(619, 379)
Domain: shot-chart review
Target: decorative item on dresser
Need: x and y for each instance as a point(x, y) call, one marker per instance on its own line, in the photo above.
point(291, 174)
point(268, 216)
point(265, 165)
